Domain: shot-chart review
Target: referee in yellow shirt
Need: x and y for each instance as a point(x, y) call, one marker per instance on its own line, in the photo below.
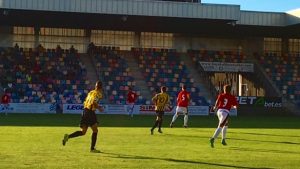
point(88, 117)
point(161, 100)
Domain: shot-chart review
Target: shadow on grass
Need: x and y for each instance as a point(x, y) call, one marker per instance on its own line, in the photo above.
point(264, 141)
point(265, 134)
point(185, 136)
point(240, 139)
point(262, 150)
point(134, 157)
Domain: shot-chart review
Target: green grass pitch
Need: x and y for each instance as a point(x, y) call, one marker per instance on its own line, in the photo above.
point(34, 141)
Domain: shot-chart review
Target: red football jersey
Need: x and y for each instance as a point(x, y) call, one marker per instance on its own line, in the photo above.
point(131, 97)
point(183, 99)
point(5, 99)
point(226, 101)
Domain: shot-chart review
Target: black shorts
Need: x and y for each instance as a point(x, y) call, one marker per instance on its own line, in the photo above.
point(159, 113)
point(88, 118)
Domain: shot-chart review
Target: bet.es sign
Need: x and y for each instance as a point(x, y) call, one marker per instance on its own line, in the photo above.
point(260, 101)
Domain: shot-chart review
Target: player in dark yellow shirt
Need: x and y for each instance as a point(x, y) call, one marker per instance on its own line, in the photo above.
point(161, 100)
point(88, 117)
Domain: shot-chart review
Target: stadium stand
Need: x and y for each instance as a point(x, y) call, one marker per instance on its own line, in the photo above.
point(284, 71)
point(43, 75)
point(116, 74)
point(216, 56)
point(163, 67)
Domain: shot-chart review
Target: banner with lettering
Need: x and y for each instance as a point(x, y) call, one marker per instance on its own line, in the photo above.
point(28, 108)
point(193, 110)
point(227, 67)
point(267, 102)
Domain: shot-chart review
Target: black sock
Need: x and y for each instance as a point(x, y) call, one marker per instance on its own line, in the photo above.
point(159, 124)
point(76, 134)
point(155, 125)
point(94, 139)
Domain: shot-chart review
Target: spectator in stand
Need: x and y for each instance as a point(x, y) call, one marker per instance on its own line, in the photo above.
point(58, 50)
point(16, 47)
point(21, 92)
point(36, 68)
point(28, 78)
point(91, 48)
point(40, 48)
point(9, 85)
point(72, 50)
point(5, 100)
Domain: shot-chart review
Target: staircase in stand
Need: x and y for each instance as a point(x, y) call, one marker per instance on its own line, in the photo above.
point(138, 76)
point(198, 81)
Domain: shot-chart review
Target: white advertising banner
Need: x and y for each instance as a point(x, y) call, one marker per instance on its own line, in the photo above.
point(198, 110)
point(72, 108)
point(193, 110)
point(116, 109)
point(29, 108)
point(227, 67)
point(108, 109)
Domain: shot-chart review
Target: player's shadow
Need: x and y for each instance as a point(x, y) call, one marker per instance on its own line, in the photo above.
point(135, 157)
point(265, 141)
point(187, 136)
point(262, 150)
point(250, 140)
point(265, 134)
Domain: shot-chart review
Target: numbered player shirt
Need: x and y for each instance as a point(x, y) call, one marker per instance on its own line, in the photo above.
point(183, 99)
point(161, 100)
point(226, 101)
point(94, 96)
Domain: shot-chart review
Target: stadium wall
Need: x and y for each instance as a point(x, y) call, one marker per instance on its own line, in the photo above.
point(246, 45)
point(6, 39)
point(253, 45)
point(181, 42)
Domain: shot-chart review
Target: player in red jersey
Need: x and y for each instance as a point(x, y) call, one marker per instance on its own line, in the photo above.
point(183, 100)
point(5, 100)
point(224, 103)
point(131, 98)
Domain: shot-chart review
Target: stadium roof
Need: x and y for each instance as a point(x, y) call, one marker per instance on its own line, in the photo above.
point(147, 15)
point(294, 17)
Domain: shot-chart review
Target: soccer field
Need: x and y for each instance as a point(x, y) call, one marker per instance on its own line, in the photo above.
point(34, 141)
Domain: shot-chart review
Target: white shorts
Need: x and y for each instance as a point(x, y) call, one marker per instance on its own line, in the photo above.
point(181, 110)
point(223, 116)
